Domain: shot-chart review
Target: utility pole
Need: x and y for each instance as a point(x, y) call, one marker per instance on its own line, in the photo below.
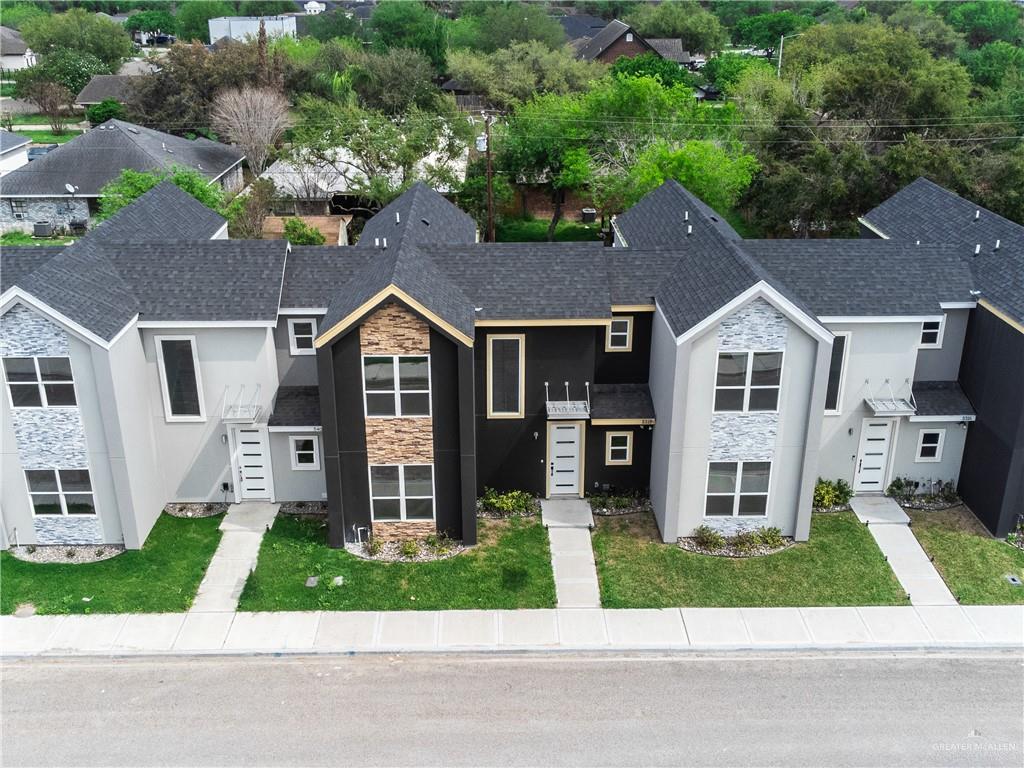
point(782, 42)
point(490, 181)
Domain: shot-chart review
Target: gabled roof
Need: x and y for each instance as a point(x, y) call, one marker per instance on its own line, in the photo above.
point(164, 213)
point(102, 87)
point(99, 155)
point(661, 218)
point(11, 43)
point(419, 215)
point(581, 25)
point(927, 212)
point(670, 48)
point(604, 39)
point(10, 141)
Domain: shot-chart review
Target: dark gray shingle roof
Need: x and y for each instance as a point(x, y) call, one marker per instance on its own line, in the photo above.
point(164, 213)
point(296, 407)
point(11, 43)
point(670, 48)
point(99, 155)
point(621, 401)
point(419, 215)
point(314, 273)
point(593, 47)
point(661, 218)
point(581, 25)
point(16, 262)
point(941, 398)
point(102, 87)
point(9, 141)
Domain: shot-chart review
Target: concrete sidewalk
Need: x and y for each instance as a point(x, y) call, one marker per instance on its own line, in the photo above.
point(503, 631)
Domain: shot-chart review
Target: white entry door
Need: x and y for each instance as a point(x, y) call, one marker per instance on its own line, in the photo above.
point(873, 455)
point(564, 459)
point(251, 464)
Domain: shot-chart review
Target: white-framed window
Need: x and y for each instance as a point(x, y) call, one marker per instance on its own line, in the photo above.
point(304, 451)
point(40, 382)
point(629, 37)
point(180, 381)
point(619, 336)
point(618, 448)
point(748, 381)
point(837, 372)
point(932, 332)
point(506, 375)
point(401, 492)
point(18, 209)
point(737, 488)
point(301, 332)
point(929, 445)
point(60, 492)
point(396, 385)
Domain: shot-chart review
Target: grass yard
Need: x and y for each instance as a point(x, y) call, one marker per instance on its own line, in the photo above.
point(161, 577)
point(7, 89)
point(36, 119)
point(20, 238)
point(49, 137)
point(840, 565)
point(971, 561)
point(536, 231)
point(510, 568)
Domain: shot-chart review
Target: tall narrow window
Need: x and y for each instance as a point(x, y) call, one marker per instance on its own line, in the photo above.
point(402, 492)
point(748, 381)
point(620, 335)
point(931, 333)
point(834, 389)
point(40, 382)
point(180, 381)
point(60, 491)
point(506, 375)
point(737, 489)
point(301, 333)
point(397, 385)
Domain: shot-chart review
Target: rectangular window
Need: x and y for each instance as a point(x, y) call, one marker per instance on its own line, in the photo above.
point(618, 448)
point(40, 382)
point(18, 208)
point(180, 381)
point(506, 376)
point(737, 489)
point(305, 452)
point(402, 492)
point(748, 381)
point(620, 335)
point(929, 445)
point(301, 332)
point(396, 385)
point(836, 369)
point(932, 332)
point(60, 491)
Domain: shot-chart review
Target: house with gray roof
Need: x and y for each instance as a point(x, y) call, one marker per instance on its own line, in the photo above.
point(105, 87)
point(14, 53)
point(63, 187)
point(616, 39)
point(13, 151)
point(393, 380)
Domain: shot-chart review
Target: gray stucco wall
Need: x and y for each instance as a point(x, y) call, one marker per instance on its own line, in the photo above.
point(295, 370)
point(58, 211)
point(929, 473)
point(295, 485)
point(944, 364)
point(666, 362)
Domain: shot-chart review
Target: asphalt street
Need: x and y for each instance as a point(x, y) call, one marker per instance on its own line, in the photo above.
point(853, 709)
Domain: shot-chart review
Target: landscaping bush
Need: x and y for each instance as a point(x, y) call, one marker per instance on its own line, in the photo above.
point(745, 542)
point(707, 538)
point(947, 492)
point(298, 232)
point(409, 549)
point(832, 493)
point(508, 503)
point(902, 489)
point(108, 109)
point(373, 546)
point(771, 538)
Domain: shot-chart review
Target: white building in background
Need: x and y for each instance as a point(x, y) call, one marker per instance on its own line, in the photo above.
point(313, 8)
point(243, 28)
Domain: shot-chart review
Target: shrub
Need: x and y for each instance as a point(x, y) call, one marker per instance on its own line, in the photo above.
point(745, 542)
point(829, 493)
point(373, 546)
point(409, 548)
point(901, 488)
point(947, 492)
point(298, 232)
point(771, 537)
point(508, 503)
point(108, 109)
point(708, 539)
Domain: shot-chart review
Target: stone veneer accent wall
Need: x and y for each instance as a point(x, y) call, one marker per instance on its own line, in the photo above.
point(47, 438)
point(393, 330)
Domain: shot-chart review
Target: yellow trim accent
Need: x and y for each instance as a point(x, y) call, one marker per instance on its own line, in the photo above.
point(622, 422)
point(520, 412)
point(629, 335)
point(547, 454)
point(608, 460)
point(633, 308)
point(1001, 315)
point(533, 323)
point(380, 296)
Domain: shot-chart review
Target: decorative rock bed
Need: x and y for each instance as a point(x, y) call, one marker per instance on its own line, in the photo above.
point(300, 508)
point(610, 506)
point(729, 551)
point(76, 554)
point(830, 510)
point(196, 509)
point(391, 552)
point(928, 502)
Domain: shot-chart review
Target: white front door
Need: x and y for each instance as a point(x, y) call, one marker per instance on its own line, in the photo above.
point(251, 464)
point(873, 455)
point(564, 458)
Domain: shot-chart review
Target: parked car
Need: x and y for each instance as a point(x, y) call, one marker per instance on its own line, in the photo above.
point(34, 153)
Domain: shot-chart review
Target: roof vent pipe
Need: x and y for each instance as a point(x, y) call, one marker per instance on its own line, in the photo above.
point(977, 249)
point(689, 229)
point(917, 242)
point(398, 217)
point(997, 245)
point(384, 243)
point(977, 214)
point(686, 216)
point(376, 242)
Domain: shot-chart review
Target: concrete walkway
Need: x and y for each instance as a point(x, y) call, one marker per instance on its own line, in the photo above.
point(572, 558)
point(890, 527)
point(243, 528)
point(503, 631)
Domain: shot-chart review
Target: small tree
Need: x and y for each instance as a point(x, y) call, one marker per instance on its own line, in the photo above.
point(151, 21)
point(53, 100)
point(131, 185)
point(299, 232)
point(72, 69)
point(253, 118)
point(247, 211)
point(81, 31)
point(108, 109)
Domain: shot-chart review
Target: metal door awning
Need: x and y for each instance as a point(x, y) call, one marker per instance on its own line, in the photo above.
point(567, 409)
point(892, 405)
point(241, 409)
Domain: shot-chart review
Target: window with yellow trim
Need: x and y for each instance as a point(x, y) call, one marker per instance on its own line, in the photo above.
point(618, 448)
point(506, 375)
point(619, 336)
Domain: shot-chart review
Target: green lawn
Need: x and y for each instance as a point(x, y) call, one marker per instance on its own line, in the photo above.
point(161, 577)
point(6, 89)
point(536, 231)
point(971, 561)
point(20, 238)
point(48, 137)
point(840, 565)
point(37, 119)
point(510, 568)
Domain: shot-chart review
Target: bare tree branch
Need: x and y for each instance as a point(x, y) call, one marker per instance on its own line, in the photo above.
point(253, 118)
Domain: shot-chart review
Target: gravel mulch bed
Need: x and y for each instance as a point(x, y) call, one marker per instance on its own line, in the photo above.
point(830, 510)
point(392, 553)
point(612, 510)
point(196, 509)
point(67, 553)
point(928, 503)
point(727, 551)
point(313, 508)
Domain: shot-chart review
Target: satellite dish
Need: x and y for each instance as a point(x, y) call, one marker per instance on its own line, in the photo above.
point(71, 188)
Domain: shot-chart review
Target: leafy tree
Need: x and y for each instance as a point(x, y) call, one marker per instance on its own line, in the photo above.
point(397, 24)
point(731, 12)
point(502, 24)
point(151, 21)
point(192, 18)
point(698, 29)
point(298, 232)
point(765, 30)
point(63, 66)
point(715, 173)
point(79, 31)
point(726, 69)
point(931, 31)
point(472, 194)
point(108, 109)
point(986, 22)
point(652, 65)
point(247, 211)
point(16, 14)
point(331, 24)
point(993, 62)
point(265, 7)
point(53, 100)
point(608, 9)
point(395, 80)
point(131, 185)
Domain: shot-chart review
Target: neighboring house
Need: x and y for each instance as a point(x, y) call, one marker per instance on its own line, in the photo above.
point(399, 377)
point(991, 371)
point(103, 87)
point(13, 151)
point(671, 48)
point(244, 28)
point(14, 54)
point(615, 40)
point(139, 66)
point(38, 191)
point(581, 25)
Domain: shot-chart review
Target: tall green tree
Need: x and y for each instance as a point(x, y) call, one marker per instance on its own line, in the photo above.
point(502, 24)
point(991, 64)
point(698, 29)
point(151, 21)
point(63, 66)
point(331, 24)
point(765, 30)
point(397, 24)
point(131, 185)
point(934, 34)
point(726, 69)
point(81, 31)
point(988, 21)
point(652, 65)
point(192, 18)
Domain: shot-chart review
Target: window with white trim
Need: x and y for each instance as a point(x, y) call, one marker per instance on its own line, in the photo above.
point(620, 335)
point(748, 381)
point(40, 382)
point(929, 445)
point(401, 492)
point(301, 333)
point(506, 363)
point(304, 451)
point(180, 380)
point(618, 448)
point(836, 370)
point(396, 385)
point(737, 489)
point(60, 492)
point(932, 332)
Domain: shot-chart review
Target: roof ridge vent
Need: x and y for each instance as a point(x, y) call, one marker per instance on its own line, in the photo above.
point(132, 129)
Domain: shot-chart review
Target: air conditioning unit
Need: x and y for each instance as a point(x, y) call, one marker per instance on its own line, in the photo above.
point(42, 229)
